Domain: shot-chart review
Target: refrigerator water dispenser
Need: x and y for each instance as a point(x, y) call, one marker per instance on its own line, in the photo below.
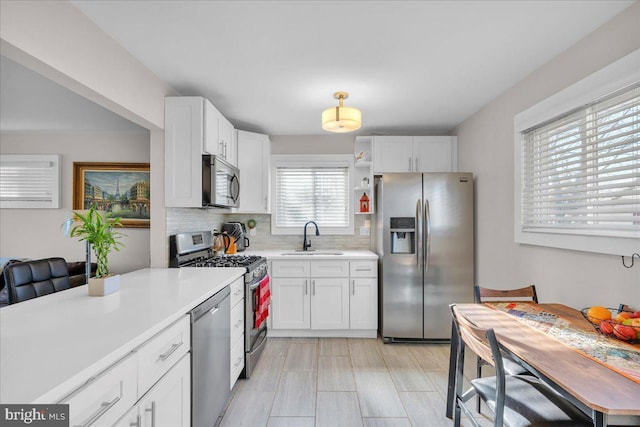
point(403, 235)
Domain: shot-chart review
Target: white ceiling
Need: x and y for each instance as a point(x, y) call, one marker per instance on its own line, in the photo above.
point(410, 66)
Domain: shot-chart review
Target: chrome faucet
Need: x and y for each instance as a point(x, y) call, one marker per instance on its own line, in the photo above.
point(306, 245)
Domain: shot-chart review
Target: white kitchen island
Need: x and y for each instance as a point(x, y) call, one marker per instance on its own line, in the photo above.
point(52, 345)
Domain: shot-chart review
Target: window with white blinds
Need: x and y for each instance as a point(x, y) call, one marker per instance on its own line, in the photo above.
point(29, 181)
point(581, 172)
point(310, 190)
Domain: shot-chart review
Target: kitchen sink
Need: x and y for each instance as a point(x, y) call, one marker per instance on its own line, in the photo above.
point(313, 252)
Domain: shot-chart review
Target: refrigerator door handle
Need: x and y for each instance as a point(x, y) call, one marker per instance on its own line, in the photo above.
point(427, 229)
point(419, 240)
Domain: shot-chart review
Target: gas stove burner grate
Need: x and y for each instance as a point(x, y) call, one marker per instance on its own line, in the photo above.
point(226, 261)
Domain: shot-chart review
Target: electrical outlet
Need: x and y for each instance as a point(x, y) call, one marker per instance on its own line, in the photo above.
point(365, 231)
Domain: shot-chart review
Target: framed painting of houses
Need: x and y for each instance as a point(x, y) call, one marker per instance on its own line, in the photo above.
point(120, 188)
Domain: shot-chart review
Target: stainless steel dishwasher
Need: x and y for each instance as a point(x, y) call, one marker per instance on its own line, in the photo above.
point(211, 348)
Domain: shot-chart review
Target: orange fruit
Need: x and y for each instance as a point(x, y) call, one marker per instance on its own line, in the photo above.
point(597, 314)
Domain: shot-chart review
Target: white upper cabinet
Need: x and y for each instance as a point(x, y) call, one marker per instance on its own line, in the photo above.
point(394, 154)
point(210, 142)
point(184, 133)
point(193, 127)
point(227, 141)
point(254, 162)
point(435, 153)
point(219, 135)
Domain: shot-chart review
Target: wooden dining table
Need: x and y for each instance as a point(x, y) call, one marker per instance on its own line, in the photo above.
point(600, 375)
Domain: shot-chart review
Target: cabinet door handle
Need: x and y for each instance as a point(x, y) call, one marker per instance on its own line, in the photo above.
point(153, 413)
point(409, 164)
point(353, 287)
point(417, 163)
point(363, 269)
point(238, 362)
point(136, 423)
point(164, 356)
point(313, 287)
point(306, 287)
point(266, 206)
point(104, 407)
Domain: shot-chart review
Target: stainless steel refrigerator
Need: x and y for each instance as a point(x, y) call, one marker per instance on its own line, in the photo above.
point(423, 235)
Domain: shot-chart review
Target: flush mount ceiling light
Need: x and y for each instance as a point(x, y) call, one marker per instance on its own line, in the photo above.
point(341, 118)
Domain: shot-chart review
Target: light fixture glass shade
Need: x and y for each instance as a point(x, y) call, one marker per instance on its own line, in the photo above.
point(341, 118)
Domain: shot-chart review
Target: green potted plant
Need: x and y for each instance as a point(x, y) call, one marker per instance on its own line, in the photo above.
point(99, 232)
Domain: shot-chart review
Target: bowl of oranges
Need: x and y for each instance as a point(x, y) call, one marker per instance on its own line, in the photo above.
point(621, 323)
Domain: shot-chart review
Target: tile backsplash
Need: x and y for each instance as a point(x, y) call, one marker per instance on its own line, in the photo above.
point(181, 220)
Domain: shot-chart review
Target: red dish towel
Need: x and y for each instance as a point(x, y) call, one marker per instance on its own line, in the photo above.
point(263, 298)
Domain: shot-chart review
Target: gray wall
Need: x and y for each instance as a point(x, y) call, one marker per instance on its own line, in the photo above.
point(36, 233)
point(486, 147)
point(312, 144)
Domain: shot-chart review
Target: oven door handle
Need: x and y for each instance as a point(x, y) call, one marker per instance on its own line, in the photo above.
point(264, 337)
point(254, 286)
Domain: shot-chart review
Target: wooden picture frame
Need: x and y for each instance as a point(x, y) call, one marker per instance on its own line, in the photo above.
point(120, 188)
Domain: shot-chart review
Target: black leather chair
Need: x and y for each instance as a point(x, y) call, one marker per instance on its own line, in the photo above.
point(32, 279)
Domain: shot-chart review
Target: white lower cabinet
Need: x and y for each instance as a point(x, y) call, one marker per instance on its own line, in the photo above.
point(156, 375)
point(167, 403)
point(104, 399)
point(330, 303)
point(325, 296)
point(290, 303)
point(160, 353)
point(363, 303)
point(237, 331)
point(237, 360)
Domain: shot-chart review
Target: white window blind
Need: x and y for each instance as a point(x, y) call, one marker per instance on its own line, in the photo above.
point(312, 193)
point(581, 172)
point(29, 181)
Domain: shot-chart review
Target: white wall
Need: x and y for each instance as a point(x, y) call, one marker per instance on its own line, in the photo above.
point(486, 148)
point(36, 233)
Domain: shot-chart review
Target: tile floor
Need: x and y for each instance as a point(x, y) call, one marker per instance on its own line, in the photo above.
point(335, 382)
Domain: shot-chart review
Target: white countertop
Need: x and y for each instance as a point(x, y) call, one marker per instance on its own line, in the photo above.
point(322, 254)
point(52, 344)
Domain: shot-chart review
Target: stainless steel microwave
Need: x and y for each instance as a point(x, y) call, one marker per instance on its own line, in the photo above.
point(220, 183)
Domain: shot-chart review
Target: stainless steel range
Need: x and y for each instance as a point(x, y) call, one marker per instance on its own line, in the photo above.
point(194, 250)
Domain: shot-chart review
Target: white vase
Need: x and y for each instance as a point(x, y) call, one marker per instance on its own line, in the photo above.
point(99, 287)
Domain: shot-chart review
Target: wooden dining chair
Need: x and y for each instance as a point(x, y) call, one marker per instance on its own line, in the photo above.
point(516, 400)
point(526, 294)
point(494, 295)
point(625, 307)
